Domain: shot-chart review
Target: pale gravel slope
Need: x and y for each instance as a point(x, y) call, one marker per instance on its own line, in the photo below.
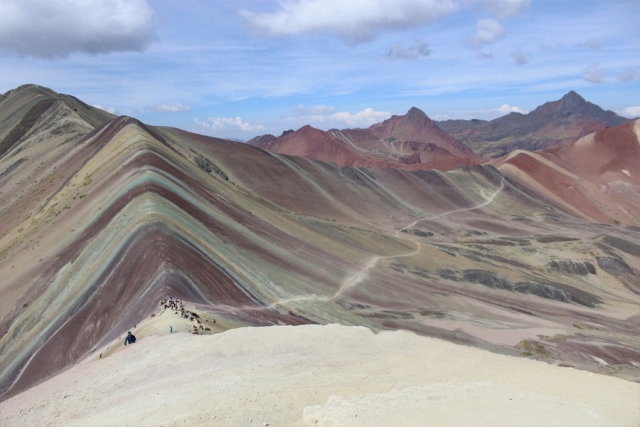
point(320, 375)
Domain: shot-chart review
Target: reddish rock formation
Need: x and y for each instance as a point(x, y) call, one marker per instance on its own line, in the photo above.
point(410, 142)
point(597, 176)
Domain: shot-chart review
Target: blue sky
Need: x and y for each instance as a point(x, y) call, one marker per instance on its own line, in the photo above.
point(241, 68)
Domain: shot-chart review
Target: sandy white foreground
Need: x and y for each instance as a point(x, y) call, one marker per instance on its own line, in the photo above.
point(320, 375)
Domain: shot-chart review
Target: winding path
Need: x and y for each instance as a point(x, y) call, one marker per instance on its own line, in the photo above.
point(355, 279)
point(358, 277)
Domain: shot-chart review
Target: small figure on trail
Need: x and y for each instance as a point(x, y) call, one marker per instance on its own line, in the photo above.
point(170, 329)
point(130, 339)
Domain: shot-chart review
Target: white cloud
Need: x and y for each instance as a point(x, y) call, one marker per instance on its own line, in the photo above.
point(506, 108)
point(169, 108)
point(521, 57)
point(593, 73)
point(362, 119)
point(591, 44)
point(354, 21)
point(631, 112)
point(341, 119)
point(419, 49)
point(57, 28)
point(225, 124)
point(488, 114)
point(505, 9)
point(487, 31)
point(316, 110)
point(107, 109)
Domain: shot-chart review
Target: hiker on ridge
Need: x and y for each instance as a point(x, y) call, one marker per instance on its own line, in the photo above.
point(130, 339)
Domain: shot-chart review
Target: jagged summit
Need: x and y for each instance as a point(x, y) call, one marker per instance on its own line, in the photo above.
point(573, 96)
point(572, 102)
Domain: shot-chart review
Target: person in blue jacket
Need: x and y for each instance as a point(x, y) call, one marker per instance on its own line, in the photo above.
point(130, 339)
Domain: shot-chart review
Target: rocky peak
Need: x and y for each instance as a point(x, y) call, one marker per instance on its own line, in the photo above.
point(416, 112)
point(572, 102)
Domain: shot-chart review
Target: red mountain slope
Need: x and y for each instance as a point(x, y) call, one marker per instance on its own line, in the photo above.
point(597, 176)
point(410, 142)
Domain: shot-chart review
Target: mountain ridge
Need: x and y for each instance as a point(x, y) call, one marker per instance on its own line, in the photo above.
point(397, 141)
point(411, 141)
point(553, 124)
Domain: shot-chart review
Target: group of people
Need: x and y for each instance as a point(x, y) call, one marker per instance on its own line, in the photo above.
point(172, 304)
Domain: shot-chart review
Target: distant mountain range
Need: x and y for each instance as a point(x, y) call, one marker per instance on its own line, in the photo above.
point(414, 141)
point(552, 124)
point(409, 142)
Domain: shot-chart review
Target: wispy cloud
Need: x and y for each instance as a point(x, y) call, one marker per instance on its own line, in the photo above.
point(169, 108)
point(354, 21)
point(629, 75)
point(217, 125)
point(487, 31)
point(490, 30)
point(363, 118)
point(487, 114)
point(593, 73)
point(505, 9)
point(631, 112)
point(315, 110)
point(590, 44)
point(548, 46)
point(521, 57)
point(506, 108)
point(328, 118)
point(57, 28)
point(111, 110)
point(419, 49)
